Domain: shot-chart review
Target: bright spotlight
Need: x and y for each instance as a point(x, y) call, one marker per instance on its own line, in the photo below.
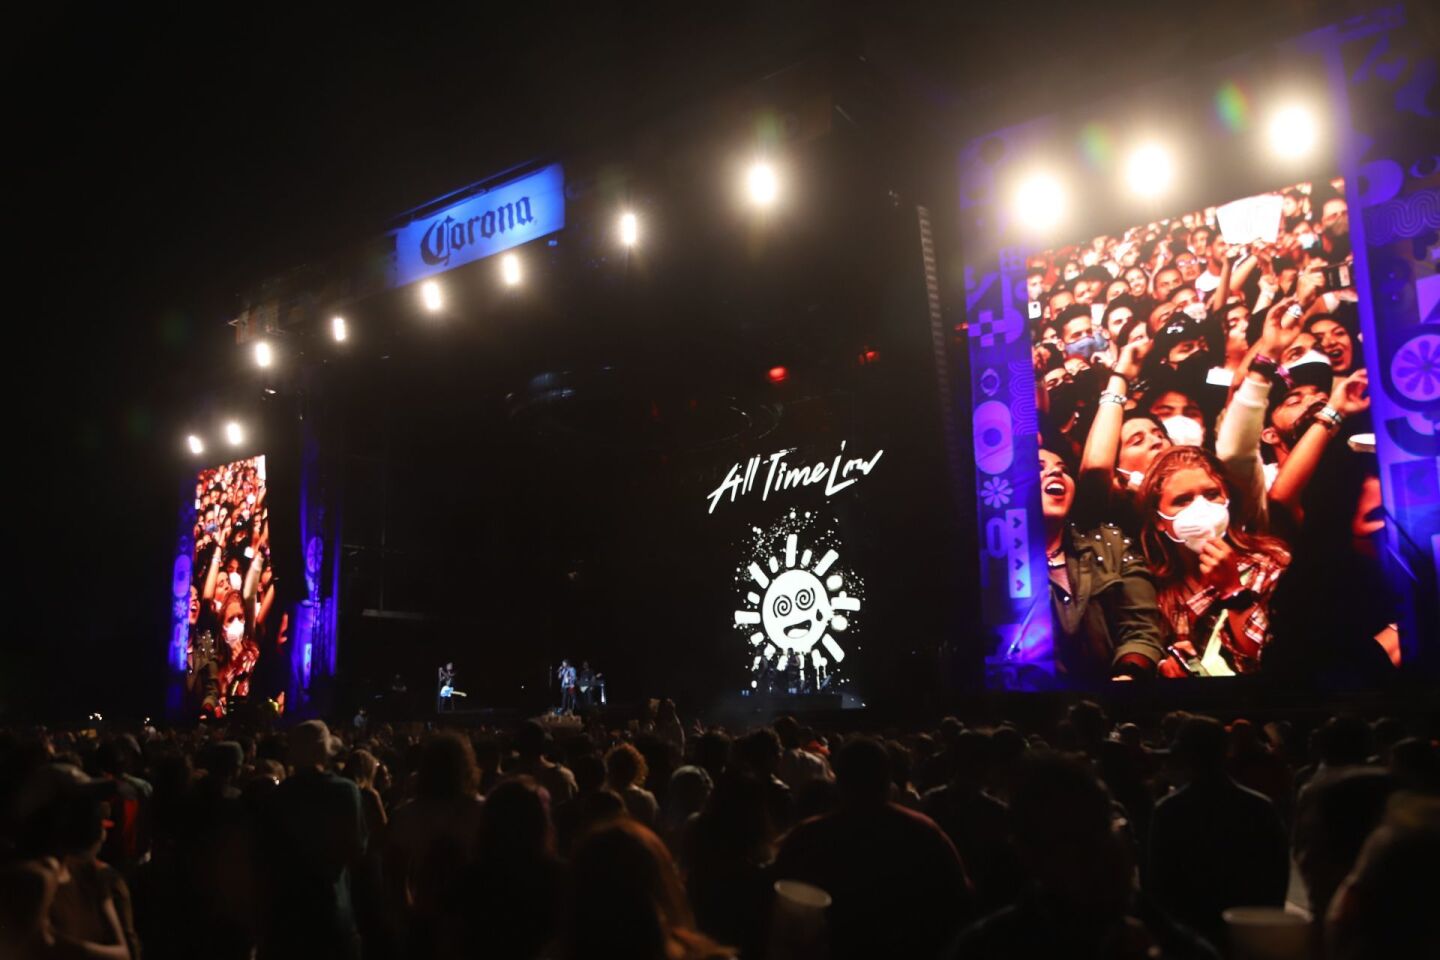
point(197, 446)
point(510, 269)
point(629, 229)
point(337, 329)
point(762, 185)
point(1293, 132)
point(264, 356)
point(1040, 202)
point(430, 296)
point(234, 434)
point(1150, 170)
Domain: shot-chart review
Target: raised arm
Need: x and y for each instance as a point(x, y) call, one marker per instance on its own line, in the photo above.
point(1237, 436)
point(1349, 396)
point(252, 576)
point(1097, 462)
point(215, 558)
point(1221, 293)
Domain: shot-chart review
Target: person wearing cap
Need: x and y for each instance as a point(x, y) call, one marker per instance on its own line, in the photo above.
point(1288, 408)
point(314, 834)
point(1182, 344)
point(62, 816)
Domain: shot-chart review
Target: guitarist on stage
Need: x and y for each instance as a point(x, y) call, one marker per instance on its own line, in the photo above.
point(443, 699)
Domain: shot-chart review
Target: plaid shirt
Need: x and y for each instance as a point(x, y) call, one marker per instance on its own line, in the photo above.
point(1258, 573)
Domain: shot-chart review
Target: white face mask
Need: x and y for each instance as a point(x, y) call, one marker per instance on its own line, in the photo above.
point(1198, 523)
point(235, 630)
point(1184, 432)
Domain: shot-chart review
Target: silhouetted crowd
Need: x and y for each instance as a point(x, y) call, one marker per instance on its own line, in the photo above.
point(1183, 837)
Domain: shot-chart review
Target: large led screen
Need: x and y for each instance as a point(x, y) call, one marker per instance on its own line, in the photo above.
point(231, 613)
point(1209, 489)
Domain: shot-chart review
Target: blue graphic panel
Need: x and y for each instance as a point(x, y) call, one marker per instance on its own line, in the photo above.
point(1014, 584)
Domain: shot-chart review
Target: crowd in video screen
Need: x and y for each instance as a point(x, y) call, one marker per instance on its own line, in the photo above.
point(1207, 467)
point(233, 586)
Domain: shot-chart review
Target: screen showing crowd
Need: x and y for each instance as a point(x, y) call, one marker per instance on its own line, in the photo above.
point(1207, 467)
point(233, 586)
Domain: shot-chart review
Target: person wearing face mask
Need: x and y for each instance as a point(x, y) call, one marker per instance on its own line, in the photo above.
point(1213, 579)
point(1177, 411)
point(240, 653)
point(1082, 337)
point(1295, 409)
point(1238, 435)
point(1107, 625)
point(1315, 426)
point(1182, 349)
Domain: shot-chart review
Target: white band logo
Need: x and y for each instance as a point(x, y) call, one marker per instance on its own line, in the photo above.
point(780, 475)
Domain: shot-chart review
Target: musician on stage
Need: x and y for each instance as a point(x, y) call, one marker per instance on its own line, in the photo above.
point(566, 673)
point(443, 700)
point(585, 680)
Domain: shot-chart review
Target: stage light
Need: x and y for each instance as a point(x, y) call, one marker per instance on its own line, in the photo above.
point(510, 269)
point(1292, 132)
point(430, 296)
point(197, 446)
point(264, 356)
point(338, 330)
point(761, 184)
point(234, 434)
point(1149, 170)
point(778, 374)
point(1040, 202)
point(629, 229)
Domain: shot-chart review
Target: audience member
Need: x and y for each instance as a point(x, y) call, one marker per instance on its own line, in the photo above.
point(626, 900)
point(1386, 907)
point(1082, 901)
point(314, 835)
point(898, 885)
point(431, 839)
point(531, 761)
point(1213, 843)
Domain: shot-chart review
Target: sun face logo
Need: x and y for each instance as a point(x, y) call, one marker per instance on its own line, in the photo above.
point(797, 602)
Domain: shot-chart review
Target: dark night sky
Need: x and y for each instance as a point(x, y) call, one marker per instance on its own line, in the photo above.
point(160, 162)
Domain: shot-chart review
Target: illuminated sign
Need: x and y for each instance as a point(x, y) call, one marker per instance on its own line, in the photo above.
point(841, 472)
point(480, 226)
